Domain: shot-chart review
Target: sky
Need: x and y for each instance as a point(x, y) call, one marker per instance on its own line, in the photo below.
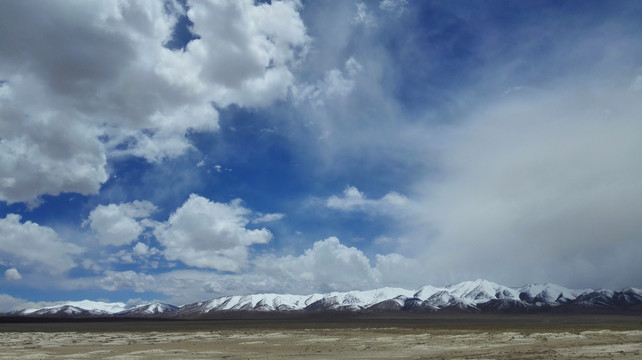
point(183, 150)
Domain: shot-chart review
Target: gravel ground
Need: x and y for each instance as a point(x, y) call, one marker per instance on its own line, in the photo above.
point(318, 343)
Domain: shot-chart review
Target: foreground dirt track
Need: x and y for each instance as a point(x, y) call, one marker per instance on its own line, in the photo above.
point(446, 337)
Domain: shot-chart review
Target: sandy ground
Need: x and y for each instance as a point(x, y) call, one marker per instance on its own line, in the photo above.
point(352, 343)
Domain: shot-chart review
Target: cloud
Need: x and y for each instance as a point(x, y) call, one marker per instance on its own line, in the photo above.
point(396, 7)
point(331, 266)
point(363, 17)
point(114, 280)
point(48, 154)
point(141, 249)
point(101, 84)
point(543, 185)
point(268, 218)
point(245, 50)
point(392, 203)
point(397, 270)
point(209, 234)
point(39, 248)
point(498, 184)
point(334, 85)
point(120, 224)
point(10, 303)
point(327, 266)
point(12, 274)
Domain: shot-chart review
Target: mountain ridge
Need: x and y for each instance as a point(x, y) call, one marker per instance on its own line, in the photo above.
point(469, 296)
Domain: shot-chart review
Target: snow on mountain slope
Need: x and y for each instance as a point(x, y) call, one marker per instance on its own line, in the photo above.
point(481, 291)
point(286, 302)
point(602, 298)
point(549, 293)
point(364, 299)
point(148, 309)
point(441, 299)
point(75, 307)
point(261, 302)
point(427, 291)
point(478, 295)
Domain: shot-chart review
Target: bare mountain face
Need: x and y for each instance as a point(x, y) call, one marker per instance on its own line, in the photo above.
point(469, 296)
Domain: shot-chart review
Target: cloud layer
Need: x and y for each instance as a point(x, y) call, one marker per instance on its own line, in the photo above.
point(545, 184)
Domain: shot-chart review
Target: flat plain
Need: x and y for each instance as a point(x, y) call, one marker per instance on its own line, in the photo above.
point(432, 336)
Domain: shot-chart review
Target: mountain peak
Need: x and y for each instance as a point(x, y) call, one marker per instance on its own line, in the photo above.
point(476, 295)
point(88, 306)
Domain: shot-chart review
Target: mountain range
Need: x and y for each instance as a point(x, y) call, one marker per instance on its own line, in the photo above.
point(468, 296)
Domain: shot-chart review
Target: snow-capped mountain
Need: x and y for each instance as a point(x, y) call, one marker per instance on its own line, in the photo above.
point(476, 296)
point(351, 300)
point(549, 293)
point(74, 308)
point(148, 310)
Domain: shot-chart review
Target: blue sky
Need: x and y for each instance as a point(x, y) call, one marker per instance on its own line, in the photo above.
point(181, 151)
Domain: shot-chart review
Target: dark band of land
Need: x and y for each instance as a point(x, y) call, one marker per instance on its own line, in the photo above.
point(428, 321)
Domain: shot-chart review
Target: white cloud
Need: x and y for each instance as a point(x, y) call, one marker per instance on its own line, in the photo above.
point(141, 249)
point(48, 154)
point(327, 266)
point(332, 266)
point(114, 280)
point(543, 186)
point(397, 270)
point(396, 7)
point(209, 234)
point(392, 203)
point(363, 17)
point(244, 51)
point(10, 303)
point(101, 83)
point(502, 182)
point(12, 274)
point(120, 224)
point(334, 85)
point(268, 218)
point(29, 245)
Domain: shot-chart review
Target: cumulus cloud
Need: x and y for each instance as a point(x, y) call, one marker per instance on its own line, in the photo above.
point(120, 224)
point(209, 234)
point(102, 84)
point(245, 50)
point(331, 266)
point(31, 246)
point(141, 249)
point(327, 266)
point(392, 203)
point(12, 274)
